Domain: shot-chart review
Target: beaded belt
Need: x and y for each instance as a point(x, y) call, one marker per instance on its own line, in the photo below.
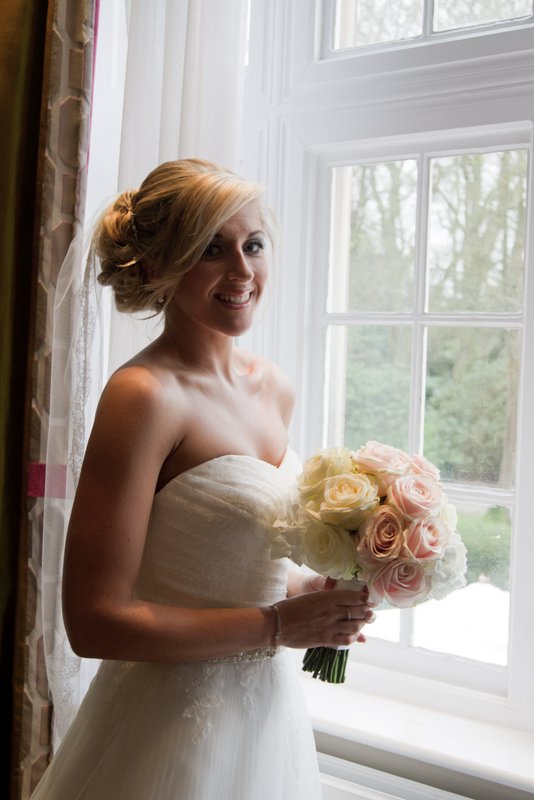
point(261, 654)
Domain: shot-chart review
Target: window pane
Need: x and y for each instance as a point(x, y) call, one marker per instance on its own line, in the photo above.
point(370, 399)
point(361, 22)
point(476, 242)
point(373, 236)
point(466, 13)
point(473, 622)
point(386, 625)
point(471, 403)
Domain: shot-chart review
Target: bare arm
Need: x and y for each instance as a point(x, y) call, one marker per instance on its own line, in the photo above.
point(132, 436)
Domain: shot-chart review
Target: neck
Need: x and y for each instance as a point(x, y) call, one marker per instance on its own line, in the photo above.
point(206, 351)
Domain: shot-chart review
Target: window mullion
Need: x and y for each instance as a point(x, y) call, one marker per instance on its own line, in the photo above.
point(338, 288)
point(428, 18)
point(417, 407)
point(418, 367)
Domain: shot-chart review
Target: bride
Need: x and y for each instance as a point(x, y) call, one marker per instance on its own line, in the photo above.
point(167, 573)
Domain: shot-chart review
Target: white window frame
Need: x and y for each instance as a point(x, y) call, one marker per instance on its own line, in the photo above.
point(304, 113)
point(461, 671)
point(426, 37)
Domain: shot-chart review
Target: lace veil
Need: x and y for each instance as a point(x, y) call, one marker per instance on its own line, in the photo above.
point(78, 371)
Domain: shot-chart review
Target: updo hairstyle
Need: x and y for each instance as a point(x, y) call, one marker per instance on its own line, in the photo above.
point(149, 237)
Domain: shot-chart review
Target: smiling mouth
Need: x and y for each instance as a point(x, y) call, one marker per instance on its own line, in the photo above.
point(234, 299)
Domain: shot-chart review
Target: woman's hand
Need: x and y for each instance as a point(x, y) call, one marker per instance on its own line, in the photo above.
point(320, 617)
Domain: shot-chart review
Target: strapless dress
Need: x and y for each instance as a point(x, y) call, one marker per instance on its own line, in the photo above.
point(229, 729)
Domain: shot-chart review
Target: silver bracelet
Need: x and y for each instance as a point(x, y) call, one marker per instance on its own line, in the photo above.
point(278, 630)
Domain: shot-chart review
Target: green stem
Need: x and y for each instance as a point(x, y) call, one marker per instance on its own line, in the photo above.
point(326, 663)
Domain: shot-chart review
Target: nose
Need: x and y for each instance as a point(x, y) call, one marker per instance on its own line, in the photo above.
point(239, 268)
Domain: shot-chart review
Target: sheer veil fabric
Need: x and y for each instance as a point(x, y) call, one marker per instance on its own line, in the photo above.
point(78, 373)
point(179, 66)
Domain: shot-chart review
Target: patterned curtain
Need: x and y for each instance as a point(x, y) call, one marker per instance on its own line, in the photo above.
point(65, 88)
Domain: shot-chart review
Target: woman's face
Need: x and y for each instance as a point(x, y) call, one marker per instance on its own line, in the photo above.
point(222, 291)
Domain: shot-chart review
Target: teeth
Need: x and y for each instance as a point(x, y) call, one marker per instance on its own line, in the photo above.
point(234, 299)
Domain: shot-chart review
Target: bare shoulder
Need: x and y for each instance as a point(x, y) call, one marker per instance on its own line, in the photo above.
point(144, 389)
point(142, 385)
point(143, 405)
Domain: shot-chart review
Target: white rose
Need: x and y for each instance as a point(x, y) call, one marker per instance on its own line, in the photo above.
point(329, 550)
point(449, 516)
point(449, 571)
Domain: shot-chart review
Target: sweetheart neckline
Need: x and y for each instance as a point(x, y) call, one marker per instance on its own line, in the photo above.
point(220, 458)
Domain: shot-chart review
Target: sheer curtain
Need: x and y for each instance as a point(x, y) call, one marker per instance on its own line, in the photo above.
point(168, 84)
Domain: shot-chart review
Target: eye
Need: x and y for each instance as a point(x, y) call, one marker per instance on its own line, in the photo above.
point(255, 246)
point(212, 250)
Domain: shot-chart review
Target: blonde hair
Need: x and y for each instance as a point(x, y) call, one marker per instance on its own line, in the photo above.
point(148, 238)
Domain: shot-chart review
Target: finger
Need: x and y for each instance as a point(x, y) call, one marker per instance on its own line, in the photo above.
point(330, 584)
point(316, 583)
point(343, 639)
point(363, 612)
point(349, 628)
point(348, 638)
point(346, 598)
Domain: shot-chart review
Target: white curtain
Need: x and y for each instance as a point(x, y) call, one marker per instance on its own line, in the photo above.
point(168, 84)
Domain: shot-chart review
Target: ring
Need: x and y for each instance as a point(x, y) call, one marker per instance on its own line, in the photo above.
point(349, 615)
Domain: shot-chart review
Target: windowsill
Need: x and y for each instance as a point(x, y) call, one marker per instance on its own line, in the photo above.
point(466, 747)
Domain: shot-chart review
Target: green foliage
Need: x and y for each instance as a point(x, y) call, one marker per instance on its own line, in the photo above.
point(378, 386)
point(383, 236)
point(487, 538)
point(467, 391)
point(476, 264)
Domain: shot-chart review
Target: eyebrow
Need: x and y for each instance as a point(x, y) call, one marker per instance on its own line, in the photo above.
point(248, 236)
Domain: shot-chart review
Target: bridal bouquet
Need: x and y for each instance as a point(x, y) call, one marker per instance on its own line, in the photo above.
point(378, 516)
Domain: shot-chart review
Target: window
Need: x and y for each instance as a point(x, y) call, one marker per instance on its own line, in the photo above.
point(423, 325)
point(367, 23)
point(400, 166)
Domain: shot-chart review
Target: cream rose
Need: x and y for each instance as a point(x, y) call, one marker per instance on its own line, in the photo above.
point(401, 583)
point(381, 537)
point(426, 538)
point(320, 466)
point(385, 462)
point(329, 550)
point(348, 500)
point(416, 496)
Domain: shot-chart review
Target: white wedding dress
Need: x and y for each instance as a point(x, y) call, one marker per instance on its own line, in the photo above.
point(230, 729)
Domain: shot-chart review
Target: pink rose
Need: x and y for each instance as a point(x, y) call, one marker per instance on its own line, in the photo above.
point(400, 583)
point(416, 496)
point(385, 462)
point(420, 465)
point(426, 538)
point(381, 537)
